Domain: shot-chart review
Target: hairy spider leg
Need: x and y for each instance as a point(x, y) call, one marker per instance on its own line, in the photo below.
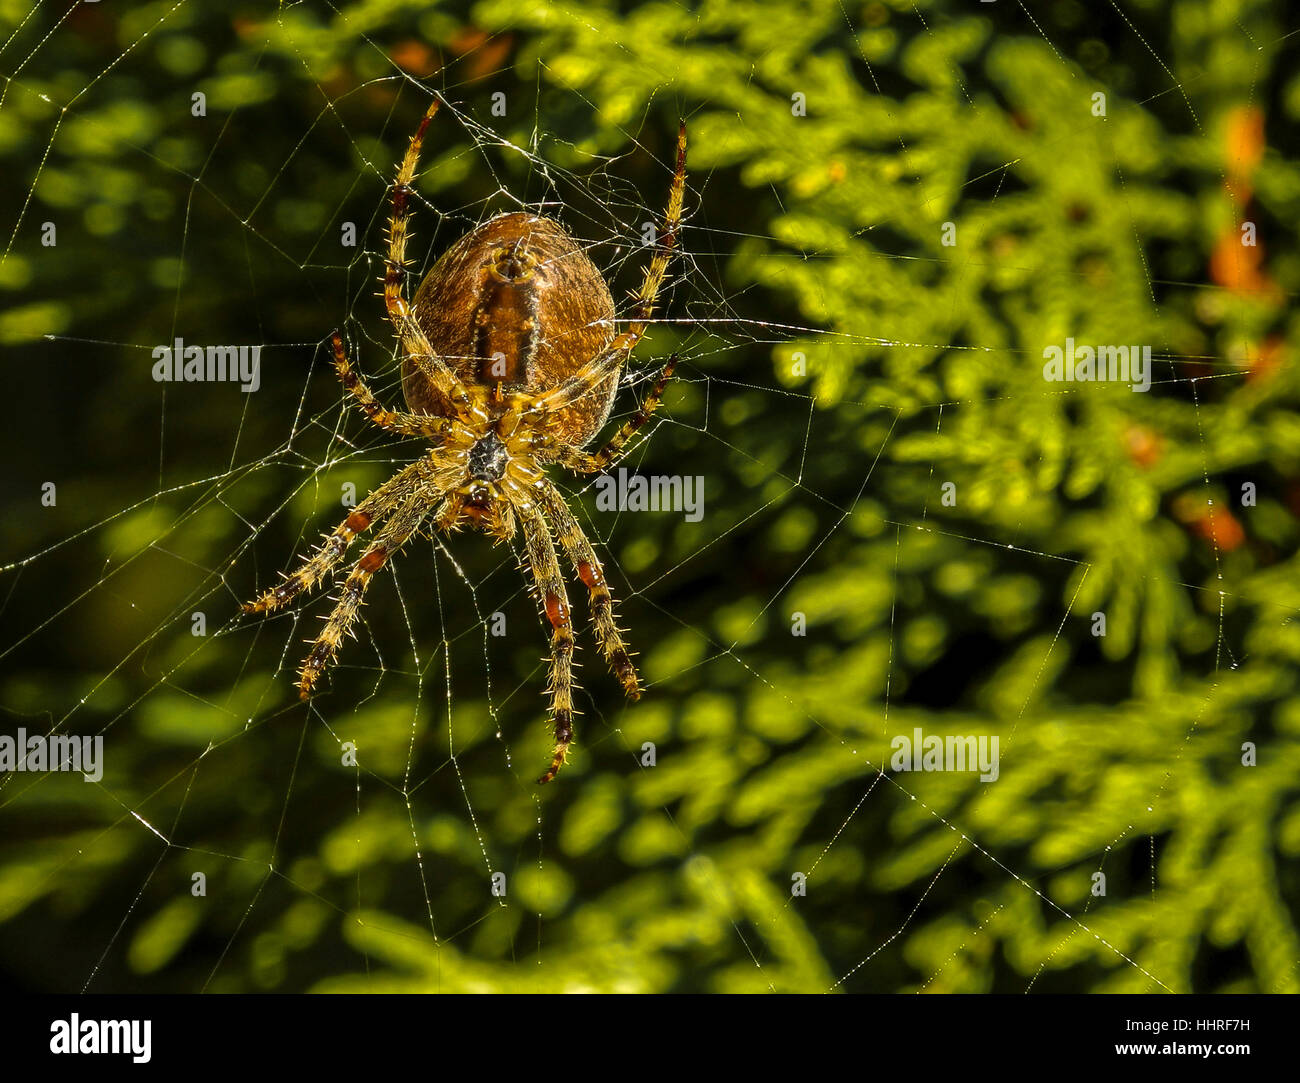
point(658, 269)
point(449, 515)
point(414, 342)
point(594, 373)
point(402, 523)
point(583, 463)
point(582, 556)
point(370, 511)
point(554, 598)
point(398, 421)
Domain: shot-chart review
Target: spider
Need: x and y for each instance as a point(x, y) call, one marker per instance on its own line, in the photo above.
point(510, 364)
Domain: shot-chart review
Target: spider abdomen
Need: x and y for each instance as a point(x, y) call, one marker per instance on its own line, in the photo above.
point(516, 302)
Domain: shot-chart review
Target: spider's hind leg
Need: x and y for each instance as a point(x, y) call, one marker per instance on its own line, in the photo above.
point(398, 421)
point(594, 463)
point(611, 359)
point(414, 342)
point(657, 271)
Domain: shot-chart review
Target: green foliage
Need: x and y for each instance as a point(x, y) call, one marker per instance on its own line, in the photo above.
point(819, 235)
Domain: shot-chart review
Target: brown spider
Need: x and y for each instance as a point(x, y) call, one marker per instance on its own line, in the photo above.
point(510, 363)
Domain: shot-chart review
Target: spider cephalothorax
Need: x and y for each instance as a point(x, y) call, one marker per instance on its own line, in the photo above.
point(510, 362)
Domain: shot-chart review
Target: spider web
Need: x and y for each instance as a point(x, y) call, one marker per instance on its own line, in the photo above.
point(355, 842)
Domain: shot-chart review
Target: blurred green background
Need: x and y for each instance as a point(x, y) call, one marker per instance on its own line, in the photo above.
point(818, 235)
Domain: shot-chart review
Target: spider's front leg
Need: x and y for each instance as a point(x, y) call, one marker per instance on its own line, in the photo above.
point(555, 603)
point(583, 558)
point(403, 522)
point(370, 511)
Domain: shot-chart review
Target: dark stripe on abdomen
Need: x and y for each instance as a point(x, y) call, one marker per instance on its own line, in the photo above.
point(505, 329)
